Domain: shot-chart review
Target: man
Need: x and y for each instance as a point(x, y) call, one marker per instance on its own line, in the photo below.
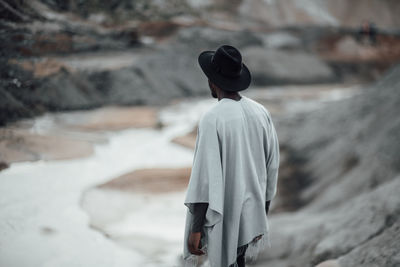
point(367, 30)
point(235, 168)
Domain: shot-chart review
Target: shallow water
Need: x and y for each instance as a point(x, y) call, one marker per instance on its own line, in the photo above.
point(41, 221)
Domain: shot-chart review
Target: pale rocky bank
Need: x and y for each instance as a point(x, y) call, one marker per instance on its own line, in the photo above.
point(347, 178)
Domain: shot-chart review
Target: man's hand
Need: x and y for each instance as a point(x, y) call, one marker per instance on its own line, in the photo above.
point(257, 238)
point(194, 244)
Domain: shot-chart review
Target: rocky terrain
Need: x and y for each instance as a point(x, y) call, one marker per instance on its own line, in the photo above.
point(72, 55)
point(318, 12)
point(338, 202)
point(343, 162)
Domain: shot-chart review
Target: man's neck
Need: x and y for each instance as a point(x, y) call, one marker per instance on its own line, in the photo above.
point(234, 96)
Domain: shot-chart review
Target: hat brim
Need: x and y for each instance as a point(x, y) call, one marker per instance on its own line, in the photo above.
point(240, 83)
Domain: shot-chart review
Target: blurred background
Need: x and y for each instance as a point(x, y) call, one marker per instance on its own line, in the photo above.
point(99, 104)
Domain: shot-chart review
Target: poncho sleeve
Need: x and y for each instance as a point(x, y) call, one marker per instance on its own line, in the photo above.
point(206, 180)
point(272, 160)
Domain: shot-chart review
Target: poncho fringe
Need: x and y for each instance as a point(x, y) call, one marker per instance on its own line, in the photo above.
point(253, 250)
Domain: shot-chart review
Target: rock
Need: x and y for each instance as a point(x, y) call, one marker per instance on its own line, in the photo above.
point(329, 263)
point(158, 29)
point(371, 214)
point(11, 109)
point(155, 77)
point(308, 238)
point(64, 91)
point(153, 81)
point(42, 68)
point(348, 46)
point(170, 70)
point(272, 66)
point(3, 166)
point(381, 250)
point(281, 40)
point(351, 205)
point(315, 12)
point(47, 53)
point(204, 38)
point(16, 11)
point(124, 9)
point(362, 157)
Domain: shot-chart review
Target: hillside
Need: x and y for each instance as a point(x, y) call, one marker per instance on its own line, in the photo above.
point(347, 179)
point(73, 55)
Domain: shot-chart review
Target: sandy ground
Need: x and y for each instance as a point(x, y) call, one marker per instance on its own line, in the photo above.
point(188, 140)
point(154, 180)
point(22, 145)
point(69, 135)
point(46, 66)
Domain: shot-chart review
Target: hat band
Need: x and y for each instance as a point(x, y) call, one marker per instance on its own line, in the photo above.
point(220, 70)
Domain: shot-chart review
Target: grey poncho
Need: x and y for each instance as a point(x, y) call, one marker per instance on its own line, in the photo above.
point(235, 170)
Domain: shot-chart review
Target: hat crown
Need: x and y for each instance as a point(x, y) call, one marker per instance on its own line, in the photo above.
point(225, 69)
point(227, 60)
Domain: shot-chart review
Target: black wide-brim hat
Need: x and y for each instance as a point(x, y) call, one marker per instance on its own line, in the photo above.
point(225, 69)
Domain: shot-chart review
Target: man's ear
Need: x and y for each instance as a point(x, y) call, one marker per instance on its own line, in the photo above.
point(210, 84)
point(213, 86)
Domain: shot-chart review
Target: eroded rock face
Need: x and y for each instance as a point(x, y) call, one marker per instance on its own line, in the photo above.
point(54, 52)
point(316, 12)
point(138, 76)
point(352, 205)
